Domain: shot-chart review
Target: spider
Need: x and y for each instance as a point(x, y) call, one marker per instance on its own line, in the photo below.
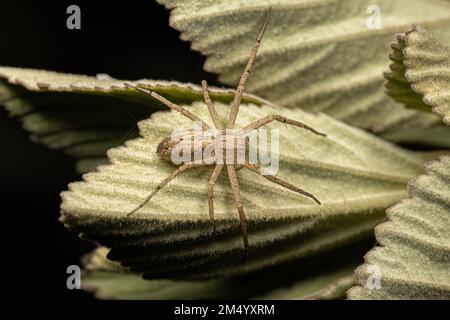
point(167, 145)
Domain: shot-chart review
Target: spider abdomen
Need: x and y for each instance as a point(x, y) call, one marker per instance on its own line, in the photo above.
point(205, 146)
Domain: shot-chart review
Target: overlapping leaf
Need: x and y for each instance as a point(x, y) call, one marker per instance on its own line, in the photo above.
point(354, 174)
point(419, 76)
point(85, 116)
point(330, 286)
point(413, 259)
point(316, 55)
point(110, 281)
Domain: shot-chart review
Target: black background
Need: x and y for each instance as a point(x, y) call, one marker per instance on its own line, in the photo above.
point(127, 40)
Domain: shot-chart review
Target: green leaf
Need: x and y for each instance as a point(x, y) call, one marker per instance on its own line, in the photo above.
point(316, 55)
point(331, 286)
point(85, 116)
point(419, 76)
point(108, 280)
point(414, 254)
point(355, 175)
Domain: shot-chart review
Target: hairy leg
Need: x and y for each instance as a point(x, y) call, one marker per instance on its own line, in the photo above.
point(161, 185)
point(263, 121)
point(281, 182)
point(210, 105)
point(171, 105)
point(238, 200)
point(212, 181)
point(240, 88)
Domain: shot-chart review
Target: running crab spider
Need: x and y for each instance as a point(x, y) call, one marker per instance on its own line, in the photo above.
point(165, 147)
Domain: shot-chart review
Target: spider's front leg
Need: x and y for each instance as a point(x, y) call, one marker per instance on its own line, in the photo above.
point(275, 117)
point(210, 105)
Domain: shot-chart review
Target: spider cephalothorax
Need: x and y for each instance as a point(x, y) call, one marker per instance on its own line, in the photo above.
point(202, 140)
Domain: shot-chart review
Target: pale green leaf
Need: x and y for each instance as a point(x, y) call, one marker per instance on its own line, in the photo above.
point(419, 76)
point(316, 55)
point(108, 280)
point(413, 257)
point(85, 116)
point(437, 137)
point(355, 175)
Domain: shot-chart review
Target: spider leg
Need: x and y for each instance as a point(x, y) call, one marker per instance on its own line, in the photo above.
point(209, 103)
point(212, 181)
point(238, 200)
point(281, 182)
point(177, 171)
point(244, 77)
point(171, 105)
point(263, 121)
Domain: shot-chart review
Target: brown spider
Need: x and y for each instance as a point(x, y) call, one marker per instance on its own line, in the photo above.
point(165, 147)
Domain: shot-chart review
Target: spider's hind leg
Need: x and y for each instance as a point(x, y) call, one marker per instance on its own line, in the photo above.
point(238, 200)
point(161, 185)
point(212, 181)
point(280, 182)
